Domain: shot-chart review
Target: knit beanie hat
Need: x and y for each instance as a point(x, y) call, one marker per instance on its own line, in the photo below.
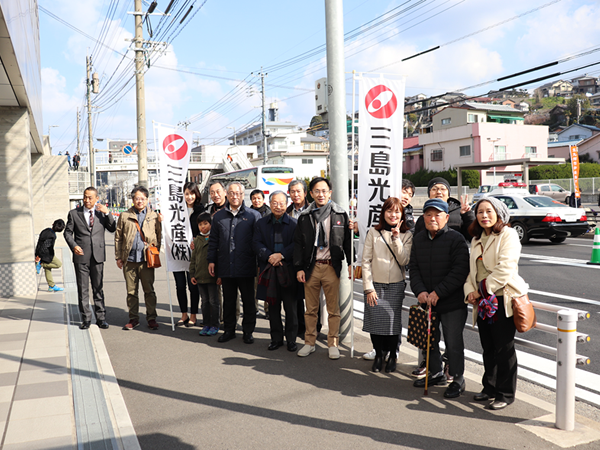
point(437, 180)
point(498, 205)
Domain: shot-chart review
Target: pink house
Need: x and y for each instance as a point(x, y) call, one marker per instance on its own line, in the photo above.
point(412, 156)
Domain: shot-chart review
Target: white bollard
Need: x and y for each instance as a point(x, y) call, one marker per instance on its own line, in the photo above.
point(566, 360)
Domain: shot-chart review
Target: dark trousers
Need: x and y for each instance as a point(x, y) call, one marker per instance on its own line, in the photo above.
point(230, 291)
point(211, 306)
point(84, 273)
point(452, 324)
point(499, 356)
point(383, 344)
point(286, 296)
point(183, 281)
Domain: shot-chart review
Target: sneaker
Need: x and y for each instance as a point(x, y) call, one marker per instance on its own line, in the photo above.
point(131, 325)
point(212, 331)
point(334, 353)
point(55, 288)
point(306, 350)
point(38, 267)
point(153, 324)
point(204, 331)
point(369, 356)
point(420, 371)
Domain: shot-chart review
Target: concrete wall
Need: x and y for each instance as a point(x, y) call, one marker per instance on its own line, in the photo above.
point(17, 268)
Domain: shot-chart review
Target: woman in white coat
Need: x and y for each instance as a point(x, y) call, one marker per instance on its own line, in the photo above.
point(493, 281)
point(386, 252)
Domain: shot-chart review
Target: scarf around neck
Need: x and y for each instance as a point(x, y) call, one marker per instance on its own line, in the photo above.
point(320, 215)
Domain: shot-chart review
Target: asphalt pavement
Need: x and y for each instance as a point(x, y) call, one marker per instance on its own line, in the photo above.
point(184, 391)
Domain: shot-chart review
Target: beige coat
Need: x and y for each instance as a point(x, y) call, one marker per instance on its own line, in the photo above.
point(126, 230)
point(500, 257)
point(378, 264)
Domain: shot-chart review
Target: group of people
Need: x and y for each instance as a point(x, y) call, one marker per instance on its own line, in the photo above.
point(445, 277)
point(292, 255)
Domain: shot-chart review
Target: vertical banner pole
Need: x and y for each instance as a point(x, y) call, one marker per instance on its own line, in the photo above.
point(353, 212)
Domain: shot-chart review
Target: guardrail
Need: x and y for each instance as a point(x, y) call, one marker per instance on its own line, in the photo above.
point(565, 353)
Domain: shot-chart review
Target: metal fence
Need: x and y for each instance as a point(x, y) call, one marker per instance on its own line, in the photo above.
point(586, 185)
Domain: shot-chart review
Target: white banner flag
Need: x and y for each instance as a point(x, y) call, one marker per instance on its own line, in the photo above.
point(174, 148)
point(381, 118)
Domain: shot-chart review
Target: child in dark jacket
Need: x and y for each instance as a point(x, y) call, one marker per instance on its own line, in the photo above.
point(207, 285)
point(44, 253)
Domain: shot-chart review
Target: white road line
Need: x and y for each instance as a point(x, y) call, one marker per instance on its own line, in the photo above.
point(580, 245)
point(553, 258)
point(586, 266)
point(565, 297)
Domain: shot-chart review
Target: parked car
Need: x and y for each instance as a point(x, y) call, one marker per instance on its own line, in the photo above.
point(536, 216)
point(551, 190)
point(502, 188)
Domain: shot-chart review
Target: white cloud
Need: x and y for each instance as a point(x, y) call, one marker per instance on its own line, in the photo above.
point(55, 98)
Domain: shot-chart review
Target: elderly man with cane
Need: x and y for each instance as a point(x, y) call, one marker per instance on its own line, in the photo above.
point(439, 266)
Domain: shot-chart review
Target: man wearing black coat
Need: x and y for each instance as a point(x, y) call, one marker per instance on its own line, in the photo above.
point(439, 266)
point(322, 240)
point(232, 259)
point(460, 216)
point(274, 247)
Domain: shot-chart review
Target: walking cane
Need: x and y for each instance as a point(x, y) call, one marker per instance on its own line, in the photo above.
point(428, 345)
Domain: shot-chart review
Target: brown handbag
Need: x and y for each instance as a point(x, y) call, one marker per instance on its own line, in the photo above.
point(358, 273)
point(523, 313)
point(152, 253)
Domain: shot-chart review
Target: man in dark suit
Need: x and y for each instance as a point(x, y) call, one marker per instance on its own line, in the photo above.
point(84, 234)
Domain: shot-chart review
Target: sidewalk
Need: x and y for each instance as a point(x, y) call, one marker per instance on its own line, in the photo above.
point(58, 389)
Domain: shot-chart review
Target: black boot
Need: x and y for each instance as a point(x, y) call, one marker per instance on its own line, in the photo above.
point(378, 363)
point(391, 364)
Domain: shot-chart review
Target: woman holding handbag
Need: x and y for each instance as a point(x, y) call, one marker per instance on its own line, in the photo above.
point(386, 252)
point(493, 281)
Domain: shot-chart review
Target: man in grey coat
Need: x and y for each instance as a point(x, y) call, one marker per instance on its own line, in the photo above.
point(84, 234)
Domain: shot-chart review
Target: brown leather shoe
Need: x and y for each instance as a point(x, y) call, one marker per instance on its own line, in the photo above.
point(153, 324)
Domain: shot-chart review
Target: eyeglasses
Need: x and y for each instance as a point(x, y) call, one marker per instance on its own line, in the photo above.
point(276, 204)
point(439, 189)
point(139, 199)
point(320, 192)
point(234, 194)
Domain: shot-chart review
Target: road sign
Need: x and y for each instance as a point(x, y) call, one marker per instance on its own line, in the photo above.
point(127, 149)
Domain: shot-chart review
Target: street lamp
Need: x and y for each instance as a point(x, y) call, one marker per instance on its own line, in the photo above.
point(493, 141)
point(234, 135)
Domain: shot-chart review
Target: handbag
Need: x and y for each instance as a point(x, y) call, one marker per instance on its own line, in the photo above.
point(152, 253)
point(358, 273)
point(417, 327)
point(523, 313)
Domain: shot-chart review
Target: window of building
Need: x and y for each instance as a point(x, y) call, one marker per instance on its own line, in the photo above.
point(465, 150)
point(306, 146)
point(499, 152)
point(292, 142)
point(421, 156)
point(412, 157)
point(446, 121)
point(472, 118)
point(307, 161)
point(530, 151)
point(437, 155)
point(574, 136)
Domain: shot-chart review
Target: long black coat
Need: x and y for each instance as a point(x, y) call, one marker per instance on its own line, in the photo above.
point(440, 264)
point(230, 243)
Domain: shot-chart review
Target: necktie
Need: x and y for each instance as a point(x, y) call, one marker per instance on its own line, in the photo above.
point(91, 219)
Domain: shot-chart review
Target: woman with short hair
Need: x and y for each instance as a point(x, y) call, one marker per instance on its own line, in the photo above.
point(492, 283)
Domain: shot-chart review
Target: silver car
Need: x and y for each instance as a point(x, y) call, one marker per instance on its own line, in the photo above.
point(551, 190)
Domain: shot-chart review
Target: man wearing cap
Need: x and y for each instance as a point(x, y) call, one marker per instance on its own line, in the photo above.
point(460, 214)
point(439, 266)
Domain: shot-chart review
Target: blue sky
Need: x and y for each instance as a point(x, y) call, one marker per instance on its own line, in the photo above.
point(215, 53)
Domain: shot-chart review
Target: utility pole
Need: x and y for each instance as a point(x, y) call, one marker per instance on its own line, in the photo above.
point(142, 149)
point(338, 140)
point(77, 149)
point(90, 134)
point(264, 136)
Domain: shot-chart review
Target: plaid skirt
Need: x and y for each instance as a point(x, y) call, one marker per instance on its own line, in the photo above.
point(385, 318)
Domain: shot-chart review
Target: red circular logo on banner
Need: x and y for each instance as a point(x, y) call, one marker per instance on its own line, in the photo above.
point(175, 147)
point(381, 102)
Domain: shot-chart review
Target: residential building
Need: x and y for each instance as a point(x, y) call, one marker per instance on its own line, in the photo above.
point(477, 133)
point(585, 85)
point(559, 88)
point(412, 155)
point(577, 131)
point(561, 149)
point(591, 147)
